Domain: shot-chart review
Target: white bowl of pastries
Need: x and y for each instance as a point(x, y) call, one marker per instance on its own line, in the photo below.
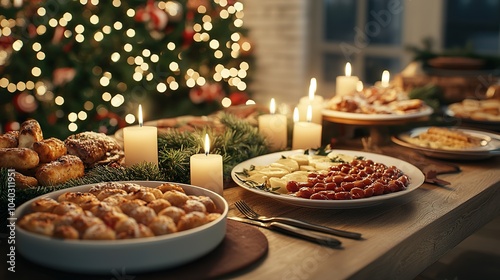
point(136, 226)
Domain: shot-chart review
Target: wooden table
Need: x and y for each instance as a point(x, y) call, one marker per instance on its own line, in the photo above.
point(401, 238)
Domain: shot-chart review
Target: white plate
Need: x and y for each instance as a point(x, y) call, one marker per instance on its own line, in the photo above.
point(416, 180)
point(132, 255)
point(490, 148)
point(426, 111)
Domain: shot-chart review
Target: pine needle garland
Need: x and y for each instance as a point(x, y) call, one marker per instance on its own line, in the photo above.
point(238, 142)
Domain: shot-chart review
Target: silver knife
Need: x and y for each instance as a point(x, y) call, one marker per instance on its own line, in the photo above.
point(294, 231)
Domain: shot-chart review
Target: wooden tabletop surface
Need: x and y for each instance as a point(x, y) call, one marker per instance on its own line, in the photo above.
point(401, 237)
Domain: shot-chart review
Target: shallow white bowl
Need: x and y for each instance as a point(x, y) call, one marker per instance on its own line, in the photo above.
point(130, 255)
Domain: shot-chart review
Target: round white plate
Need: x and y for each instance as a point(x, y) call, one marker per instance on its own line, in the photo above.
point(130, 255)
point(490, 147)
point(416, 180)
point(426, 111)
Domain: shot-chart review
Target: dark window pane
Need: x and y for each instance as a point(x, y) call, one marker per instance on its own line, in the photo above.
point(333, 66)
point(374, 66)
point(385, 21)
point(473, 24)
point(340, 20)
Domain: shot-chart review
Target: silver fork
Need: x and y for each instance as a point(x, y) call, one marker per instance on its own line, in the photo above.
point(251, 214)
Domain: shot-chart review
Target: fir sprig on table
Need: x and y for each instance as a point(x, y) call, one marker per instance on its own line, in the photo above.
point(238, 142)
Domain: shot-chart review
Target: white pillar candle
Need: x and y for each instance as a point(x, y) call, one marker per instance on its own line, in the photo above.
point(274, 127)
point(386, 76)
point(346, 85)
point(140, 143)
point(206, 170)
point(315, 101)
point(306, 135)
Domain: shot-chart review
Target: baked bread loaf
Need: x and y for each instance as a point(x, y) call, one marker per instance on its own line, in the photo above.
point(49, 149)
point(25, 182)
point(29, 133)
point(59, 171)
point(9, 139)
point(93, 148)
point(18, 158)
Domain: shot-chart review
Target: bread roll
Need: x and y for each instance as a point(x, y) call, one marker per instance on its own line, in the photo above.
point(59, 171)
point(18, 158)
point(25, 182)
point(49, 149)
point(29, 133)
point(9, 139)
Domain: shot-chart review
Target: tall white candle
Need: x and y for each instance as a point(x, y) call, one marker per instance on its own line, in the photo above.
point(313, 100)
point(274, 127)
point(306, 135)
point(346, 84)
point(206, 169)
point(140, 143)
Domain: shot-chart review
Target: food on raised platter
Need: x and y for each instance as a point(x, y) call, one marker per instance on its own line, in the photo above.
point(82, 215)
point(478, 110)
point(330, 177)
point(377, 100)
point(59, 171)
point(18, 158)
point(9, 139)
point(29, 133)
point(51, 161)
point(49, 149)
point(445, 138)
point(93, 148)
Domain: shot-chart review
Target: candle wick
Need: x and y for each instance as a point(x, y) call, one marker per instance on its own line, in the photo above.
point(206, 153)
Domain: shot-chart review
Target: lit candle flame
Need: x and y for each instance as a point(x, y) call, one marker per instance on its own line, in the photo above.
point(272, 106)
point(207, 144)
point(295, 115)
point(140, 116)
point(309, 115)
point(348, 69)
point(385, 78)
point(312, 89)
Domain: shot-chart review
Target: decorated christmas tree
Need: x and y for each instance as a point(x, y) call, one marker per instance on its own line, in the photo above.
point(87, 65)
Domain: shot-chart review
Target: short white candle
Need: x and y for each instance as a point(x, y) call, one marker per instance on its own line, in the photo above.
point(386, 76)
point(313, 100)
point(140, 143)
point(346, 85)
point(206, 169)
point(274, 127)
point(306, 135)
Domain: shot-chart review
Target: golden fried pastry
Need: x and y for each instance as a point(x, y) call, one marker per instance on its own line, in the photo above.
point(170, 187)
point(213, 216)
point(39, 222)
point(25, 182)
point(66, 207)
point(173, 212)
point(159, 204)
point(143, 214)
point(49, 149)
point(162, 225)
point(207, 201)
point(93, 148)
point(110, 192)
point(29, 133)
point(192, 220)
point(44, 204)
point(65, 232)
point(18, 158)
point(192, 205)
point(9, 139)
point(128, 206)
point(176, 198)
point(59, 171)
point(99, 232)
point(142, 194)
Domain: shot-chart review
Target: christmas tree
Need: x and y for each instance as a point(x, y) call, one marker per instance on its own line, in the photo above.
point(87, 65)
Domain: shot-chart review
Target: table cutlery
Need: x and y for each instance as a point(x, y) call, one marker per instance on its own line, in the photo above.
point(294, 231)
point(251, 214)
